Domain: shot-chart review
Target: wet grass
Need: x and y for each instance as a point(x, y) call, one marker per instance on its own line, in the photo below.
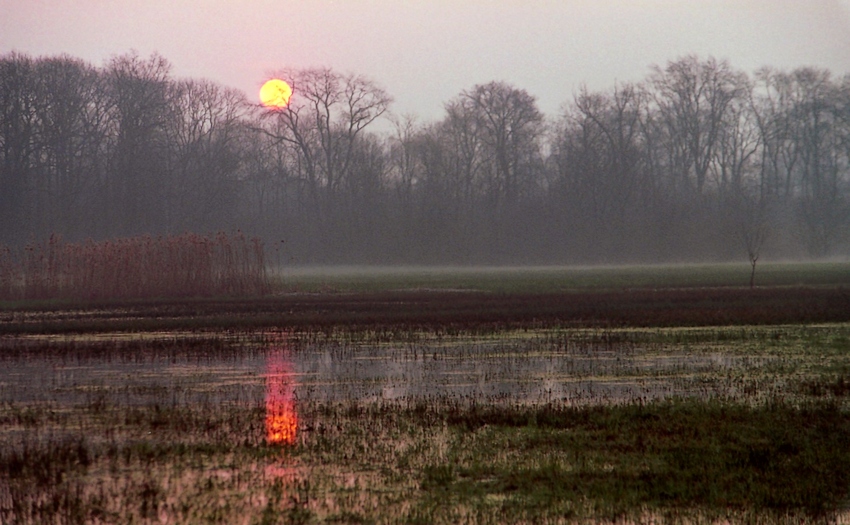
point(552, 396)
point(667, 458)
point(438, 462)
point(177, 433)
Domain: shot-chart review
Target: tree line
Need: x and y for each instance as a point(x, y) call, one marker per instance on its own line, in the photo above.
point(698, 162)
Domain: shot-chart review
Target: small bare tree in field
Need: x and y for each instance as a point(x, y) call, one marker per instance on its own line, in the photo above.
point(754, 240)
point(750, 214)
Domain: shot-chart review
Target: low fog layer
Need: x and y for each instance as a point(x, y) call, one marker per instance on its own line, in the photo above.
point(699, 162)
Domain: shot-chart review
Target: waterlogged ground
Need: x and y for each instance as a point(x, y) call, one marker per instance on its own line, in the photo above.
point(551, 425)
point(527, 367)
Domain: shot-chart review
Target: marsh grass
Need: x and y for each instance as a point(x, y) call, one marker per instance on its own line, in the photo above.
point(439, 462)
point(169, 428)
point(670, 457)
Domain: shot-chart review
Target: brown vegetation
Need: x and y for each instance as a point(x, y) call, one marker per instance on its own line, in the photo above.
point(187, 265)
point(447, 312)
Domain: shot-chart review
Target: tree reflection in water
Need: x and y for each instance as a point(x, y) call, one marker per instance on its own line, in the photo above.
point(281, 417)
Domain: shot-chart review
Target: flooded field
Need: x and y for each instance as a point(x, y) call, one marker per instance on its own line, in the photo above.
point(527, 367)
point(274, 426)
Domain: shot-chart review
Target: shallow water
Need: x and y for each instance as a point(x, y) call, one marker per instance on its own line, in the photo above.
point(514, 368)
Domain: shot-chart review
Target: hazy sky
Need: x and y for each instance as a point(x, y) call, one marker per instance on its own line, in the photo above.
point(426, 52)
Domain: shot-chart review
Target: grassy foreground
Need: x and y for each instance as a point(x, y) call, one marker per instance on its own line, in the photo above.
point(438, 462)
point(766, 443)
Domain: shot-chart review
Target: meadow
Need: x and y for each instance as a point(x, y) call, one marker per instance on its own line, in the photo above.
point(547, 395)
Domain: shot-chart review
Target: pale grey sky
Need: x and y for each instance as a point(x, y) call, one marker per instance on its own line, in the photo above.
point(426, 52)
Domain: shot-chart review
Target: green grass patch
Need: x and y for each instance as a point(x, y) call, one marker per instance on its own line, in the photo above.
point(668, 457)
point(546, 279)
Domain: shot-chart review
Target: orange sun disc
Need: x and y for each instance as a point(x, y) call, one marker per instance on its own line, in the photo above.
point(275, 94)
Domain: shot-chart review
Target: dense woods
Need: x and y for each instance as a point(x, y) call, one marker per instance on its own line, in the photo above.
point(700, 161)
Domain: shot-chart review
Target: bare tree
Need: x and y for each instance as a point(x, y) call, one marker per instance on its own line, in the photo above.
point(326, 114)
point(772, 103)
point(405, 166)
point(140, 90)
point(510, 126)
point(205, 132)
point(609, 171)
point(750, 216)
point(693, 98)
point(445, 202)
point(72, 117)
point(492, 143)
point(739, 143)
point(823, 178)
point(460, 137)
point(17, 142)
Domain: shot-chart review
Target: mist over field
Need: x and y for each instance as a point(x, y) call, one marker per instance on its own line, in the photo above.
point(698, 162)
point(431, 261)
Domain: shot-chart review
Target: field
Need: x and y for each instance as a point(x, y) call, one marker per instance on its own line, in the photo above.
point(543, 395)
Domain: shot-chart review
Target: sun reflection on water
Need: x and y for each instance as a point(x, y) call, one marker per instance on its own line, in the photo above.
point(281, 416)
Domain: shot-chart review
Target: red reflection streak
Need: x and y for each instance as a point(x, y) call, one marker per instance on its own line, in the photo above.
point(281, 417)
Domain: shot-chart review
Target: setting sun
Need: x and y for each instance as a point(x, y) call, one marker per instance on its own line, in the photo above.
point(275, 94)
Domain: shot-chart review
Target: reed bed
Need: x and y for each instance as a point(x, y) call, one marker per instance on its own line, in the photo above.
point(144, 267)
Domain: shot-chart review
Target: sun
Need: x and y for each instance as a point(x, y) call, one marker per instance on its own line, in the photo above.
point(275, 94)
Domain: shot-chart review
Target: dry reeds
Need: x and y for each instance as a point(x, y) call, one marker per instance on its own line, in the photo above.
point(187, 265)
